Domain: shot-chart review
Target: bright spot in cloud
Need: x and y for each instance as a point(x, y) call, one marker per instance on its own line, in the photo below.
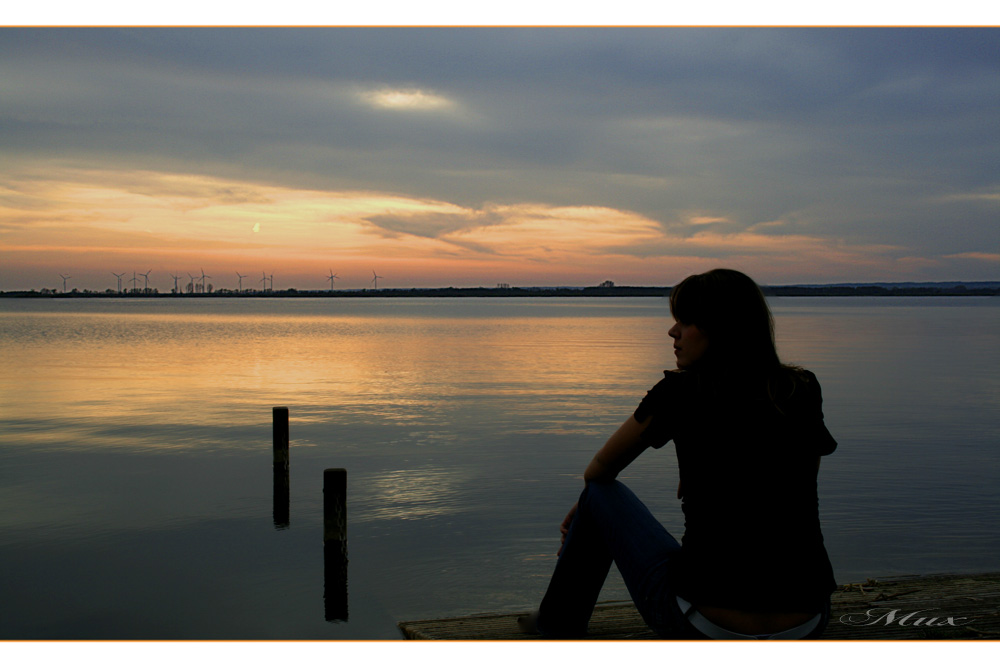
point(406, 100)
point(256, 227)
point(705, 220)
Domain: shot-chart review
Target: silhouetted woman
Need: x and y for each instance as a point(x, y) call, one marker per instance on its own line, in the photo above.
point(749, 433)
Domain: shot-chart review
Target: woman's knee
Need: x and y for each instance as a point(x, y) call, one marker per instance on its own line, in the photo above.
point(605, 493)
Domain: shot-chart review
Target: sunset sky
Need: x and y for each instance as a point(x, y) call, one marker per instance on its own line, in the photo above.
point(475, 156)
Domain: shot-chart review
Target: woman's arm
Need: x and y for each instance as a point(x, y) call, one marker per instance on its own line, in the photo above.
point(620, 450)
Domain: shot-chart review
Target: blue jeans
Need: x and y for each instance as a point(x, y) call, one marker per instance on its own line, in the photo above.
point(613, 525)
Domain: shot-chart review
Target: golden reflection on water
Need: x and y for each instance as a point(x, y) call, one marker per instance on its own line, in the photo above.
point(102, 369)
point(175, 374)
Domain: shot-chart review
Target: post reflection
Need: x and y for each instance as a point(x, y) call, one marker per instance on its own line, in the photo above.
point(335, 544)
point(335, 580)
point(280, 510)
point(281, 491)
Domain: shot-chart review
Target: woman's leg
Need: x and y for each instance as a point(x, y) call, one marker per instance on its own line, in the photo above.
point(611, 525)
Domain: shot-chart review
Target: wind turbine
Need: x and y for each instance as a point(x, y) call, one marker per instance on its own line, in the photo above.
point(203, 276)
point(119, 277)
point(264, 281)
point(134, 281)
point(272, 282)
point(241, 277)
point(192, 282)
point(145, 275)
point(375, 278)
point(332, 277)
point(176, 291)
point(65, 278)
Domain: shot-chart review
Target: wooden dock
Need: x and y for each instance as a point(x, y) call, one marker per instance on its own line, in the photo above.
point(964, 606)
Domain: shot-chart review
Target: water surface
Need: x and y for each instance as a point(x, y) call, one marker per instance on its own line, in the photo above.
point(138, 497)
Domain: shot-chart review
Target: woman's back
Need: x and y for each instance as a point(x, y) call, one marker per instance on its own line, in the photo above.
point(748, 463)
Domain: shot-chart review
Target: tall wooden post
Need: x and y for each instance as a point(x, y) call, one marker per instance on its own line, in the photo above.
point(335, 543)
point(280, 418)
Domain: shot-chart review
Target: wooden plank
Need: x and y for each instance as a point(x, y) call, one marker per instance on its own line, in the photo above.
point(946, 606)
point(878, 609)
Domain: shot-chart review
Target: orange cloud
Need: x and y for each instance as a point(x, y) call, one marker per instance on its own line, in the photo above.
point(537, 232)
point(983, 256)
point(166, 221)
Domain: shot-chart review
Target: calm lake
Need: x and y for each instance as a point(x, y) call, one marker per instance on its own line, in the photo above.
point(138, 501)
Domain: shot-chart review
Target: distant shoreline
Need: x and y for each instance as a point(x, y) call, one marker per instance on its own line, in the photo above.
point(888, 290)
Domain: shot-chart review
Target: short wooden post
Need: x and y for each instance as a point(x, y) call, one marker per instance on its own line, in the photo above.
point(280, 417)
point(335, 543)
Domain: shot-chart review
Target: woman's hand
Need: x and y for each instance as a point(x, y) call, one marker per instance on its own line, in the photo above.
point(564, 527)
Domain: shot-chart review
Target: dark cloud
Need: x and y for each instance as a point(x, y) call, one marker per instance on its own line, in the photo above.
point(841, 132)
point(433, 225)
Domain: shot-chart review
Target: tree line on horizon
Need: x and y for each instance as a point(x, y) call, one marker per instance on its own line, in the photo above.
point(948, 289)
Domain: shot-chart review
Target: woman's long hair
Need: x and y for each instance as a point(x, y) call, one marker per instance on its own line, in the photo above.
point(730, 309)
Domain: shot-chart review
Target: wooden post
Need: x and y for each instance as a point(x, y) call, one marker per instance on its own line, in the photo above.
point(335, 543)
point(280, 416)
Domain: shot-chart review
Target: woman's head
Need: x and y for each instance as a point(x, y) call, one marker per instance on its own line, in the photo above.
point(729, 311)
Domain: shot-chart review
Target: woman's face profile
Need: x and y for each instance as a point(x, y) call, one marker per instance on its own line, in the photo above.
point(689, 344)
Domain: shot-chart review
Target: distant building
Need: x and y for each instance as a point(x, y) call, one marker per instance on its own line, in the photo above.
point(607, 283)
point(503, 285)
